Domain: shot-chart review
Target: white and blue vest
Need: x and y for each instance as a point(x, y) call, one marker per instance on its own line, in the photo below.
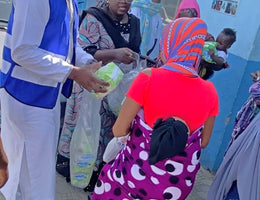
point(56, 41)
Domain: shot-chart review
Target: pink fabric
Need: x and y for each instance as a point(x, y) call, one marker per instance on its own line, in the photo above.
point(188, 4)
point(130, 176)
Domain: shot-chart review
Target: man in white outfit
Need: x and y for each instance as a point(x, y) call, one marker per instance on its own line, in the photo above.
point(40, 53)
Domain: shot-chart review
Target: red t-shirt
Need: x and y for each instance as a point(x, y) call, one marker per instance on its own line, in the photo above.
point(166, 94)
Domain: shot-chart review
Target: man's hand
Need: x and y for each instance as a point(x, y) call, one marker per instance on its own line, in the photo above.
point(85, 77)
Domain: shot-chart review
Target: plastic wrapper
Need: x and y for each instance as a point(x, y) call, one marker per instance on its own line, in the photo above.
point(205, 53)
point(110, 73)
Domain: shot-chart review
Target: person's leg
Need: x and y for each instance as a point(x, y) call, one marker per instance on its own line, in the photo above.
point(30, 137)
point(37, 178)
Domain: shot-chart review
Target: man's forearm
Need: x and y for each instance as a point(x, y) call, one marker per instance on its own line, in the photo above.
point(3, 157)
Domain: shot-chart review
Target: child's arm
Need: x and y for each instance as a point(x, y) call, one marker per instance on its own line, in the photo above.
point(218, 60)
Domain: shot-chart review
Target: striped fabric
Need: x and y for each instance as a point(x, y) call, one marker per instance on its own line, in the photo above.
point(181, 45)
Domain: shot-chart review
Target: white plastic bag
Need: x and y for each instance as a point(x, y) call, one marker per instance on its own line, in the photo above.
point(113, 148)
point(116, 97)
point(85, 141)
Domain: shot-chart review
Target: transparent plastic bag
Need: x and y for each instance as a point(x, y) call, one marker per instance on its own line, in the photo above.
point(116, 97)
point(85, 141)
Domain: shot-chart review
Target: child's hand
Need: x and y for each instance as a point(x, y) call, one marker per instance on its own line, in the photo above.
point(256, 76)
point(211, 52)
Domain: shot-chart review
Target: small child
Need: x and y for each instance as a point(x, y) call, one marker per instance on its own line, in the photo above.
point(215, 53)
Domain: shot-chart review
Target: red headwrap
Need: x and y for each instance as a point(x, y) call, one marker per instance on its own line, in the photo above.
point(181, 45)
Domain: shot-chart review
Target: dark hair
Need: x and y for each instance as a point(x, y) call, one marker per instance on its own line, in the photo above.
point(231, 33)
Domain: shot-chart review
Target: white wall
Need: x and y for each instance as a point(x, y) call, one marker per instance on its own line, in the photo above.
point(245, 22)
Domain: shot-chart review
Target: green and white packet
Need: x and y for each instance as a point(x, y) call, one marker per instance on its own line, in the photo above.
point(110, 73)
point(205, 53)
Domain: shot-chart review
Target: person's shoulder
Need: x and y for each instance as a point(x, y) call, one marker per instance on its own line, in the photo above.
point(134, 20)
point(147, 71)
point(91, 14)
point(93, 9)
point(95, 12)
point(209, 86)
point(133, 17)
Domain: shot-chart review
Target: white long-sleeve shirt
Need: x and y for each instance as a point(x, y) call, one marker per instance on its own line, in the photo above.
point(30, 20)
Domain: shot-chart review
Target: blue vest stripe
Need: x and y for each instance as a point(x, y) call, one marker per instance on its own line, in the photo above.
point(7, 54)
point(3, 79)
point(41, 94)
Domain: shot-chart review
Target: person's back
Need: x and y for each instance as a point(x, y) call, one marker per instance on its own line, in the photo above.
point(158, 93)
point(172, 94)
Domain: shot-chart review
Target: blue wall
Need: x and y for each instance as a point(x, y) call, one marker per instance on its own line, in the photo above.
point(232, 84)
point(245, 22)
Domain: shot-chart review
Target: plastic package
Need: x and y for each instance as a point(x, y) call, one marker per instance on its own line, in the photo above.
point(110, 73)
point(116, 97)
point(85, 141)
point(205, 53)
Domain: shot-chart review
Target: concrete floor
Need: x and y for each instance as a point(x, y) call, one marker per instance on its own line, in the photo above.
point(64, 190)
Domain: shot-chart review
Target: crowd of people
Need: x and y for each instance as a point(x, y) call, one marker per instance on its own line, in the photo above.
point(51, 51)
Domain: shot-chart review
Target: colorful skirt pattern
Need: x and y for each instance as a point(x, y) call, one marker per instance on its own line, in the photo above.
point(130, 176)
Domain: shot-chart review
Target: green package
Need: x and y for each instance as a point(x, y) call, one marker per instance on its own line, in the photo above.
point(205, 53)
point(110, 73)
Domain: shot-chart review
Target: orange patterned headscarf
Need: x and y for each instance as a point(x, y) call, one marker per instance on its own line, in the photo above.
point(181, 45)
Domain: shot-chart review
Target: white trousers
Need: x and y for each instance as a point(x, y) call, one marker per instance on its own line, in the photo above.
point(30, 136)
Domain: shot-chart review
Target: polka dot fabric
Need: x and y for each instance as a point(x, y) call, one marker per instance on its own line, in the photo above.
point(130, 176)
